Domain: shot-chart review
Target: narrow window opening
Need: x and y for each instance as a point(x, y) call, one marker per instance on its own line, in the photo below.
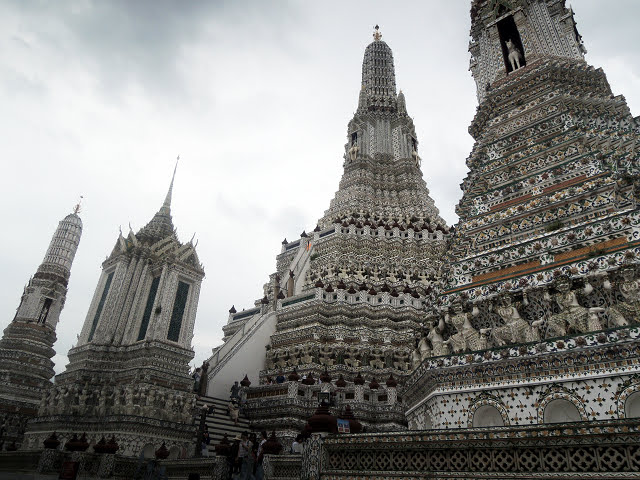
point(103, 299)
point(148, 308)
point(44, 313)
point(511, 43)
point(178, 311)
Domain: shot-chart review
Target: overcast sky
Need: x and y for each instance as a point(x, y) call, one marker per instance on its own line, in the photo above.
point(99, 97)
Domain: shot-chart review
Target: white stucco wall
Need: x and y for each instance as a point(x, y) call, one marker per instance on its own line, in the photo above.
point(247, 357)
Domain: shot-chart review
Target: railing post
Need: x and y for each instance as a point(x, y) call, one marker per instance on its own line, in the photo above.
point(312, 457)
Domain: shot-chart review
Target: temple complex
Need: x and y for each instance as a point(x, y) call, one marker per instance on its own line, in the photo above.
point(506, 346)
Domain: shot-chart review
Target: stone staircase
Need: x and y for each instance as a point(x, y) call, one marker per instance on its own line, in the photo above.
point(220, 423)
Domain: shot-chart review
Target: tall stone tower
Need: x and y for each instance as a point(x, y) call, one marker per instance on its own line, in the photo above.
point(544, 263)
point(26, 348)
point(346, 304)
point(128, 375)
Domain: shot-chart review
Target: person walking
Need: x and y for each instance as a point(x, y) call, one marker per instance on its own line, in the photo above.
point(260, 456)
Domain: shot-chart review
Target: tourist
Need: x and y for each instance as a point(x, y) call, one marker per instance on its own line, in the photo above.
point(296, 446)
point(234, 411)
point(234, 461)
point(196, 379)
point(260, 456)
point(206, 440)
point(235, 388)
point(244, 453)
point(280, 378)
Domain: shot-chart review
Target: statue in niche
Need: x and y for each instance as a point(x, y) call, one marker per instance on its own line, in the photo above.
point(150, 402)
point(294, 353)
point(129, 400)
point(64, 400)
point(572, 317)
point(307, 355)
point(628, 311)
point(515, 55)
point(414, 152)
point(440, 347)
point(82, 396)
point(353, 151)
point(326, 355)
point(45, 401)
point(102, 403)
point(467, 338)
point(56, 397)
point(270, 359)
point(424, 349)
point(281, 361)
point(416, 358)
point(401, 360)
point(191, 406)
point(118, 407)
point(515, 328)
point(179, 405)
point(376, 358)
point(351, 357)
point(168, 410)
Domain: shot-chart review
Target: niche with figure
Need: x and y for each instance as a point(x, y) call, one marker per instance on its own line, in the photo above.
point(511, 43)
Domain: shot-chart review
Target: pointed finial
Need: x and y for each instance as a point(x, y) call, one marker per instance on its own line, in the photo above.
point(76, 209)
point(377, 35)
point(167, 200)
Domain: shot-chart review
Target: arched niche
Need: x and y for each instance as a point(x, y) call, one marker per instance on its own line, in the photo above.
point(508, 32)
point(174, 452)
point(428, 423)
point(632, 406)
point(561, 411)
point(149, 451)
point(487, 416)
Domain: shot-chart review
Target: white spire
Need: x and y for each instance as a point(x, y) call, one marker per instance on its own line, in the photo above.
point(167, 200)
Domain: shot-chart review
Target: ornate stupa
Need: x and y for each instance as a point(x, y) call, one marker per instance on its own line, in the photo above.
point(128, 375)
point(544, 261)
point(348, 298)
point(26, 347)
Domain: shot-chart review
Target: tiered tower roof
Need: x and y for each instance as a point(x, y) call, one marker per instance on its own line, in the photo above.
point(382, 177)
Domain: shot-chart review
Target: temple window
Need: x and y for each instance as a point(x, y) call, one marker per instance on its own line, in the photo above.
point(44, 313)
point(103, 299)
point(511, 43)
point(178, 311)
point(148, 308)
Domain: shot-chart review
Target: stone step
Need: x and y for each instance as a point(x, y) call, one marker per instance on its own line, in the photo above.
point(220, 423)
